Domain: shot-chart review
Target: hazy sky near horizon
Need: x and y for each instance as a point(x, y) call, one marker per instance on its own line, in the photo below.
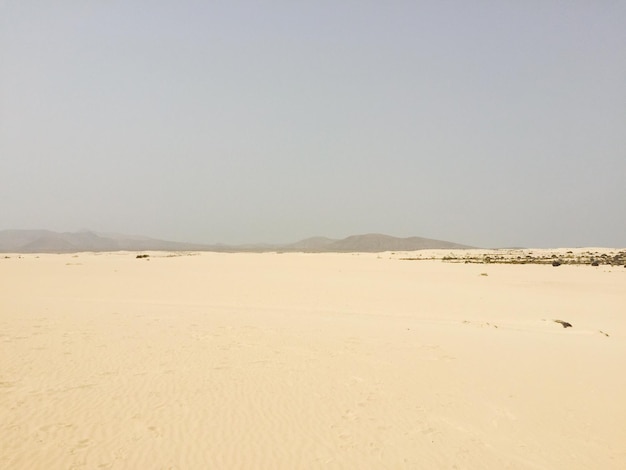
point(486, 123)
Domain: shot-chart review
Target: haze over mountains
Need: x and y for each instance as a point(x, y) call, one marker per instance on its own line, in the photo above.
point(46, 241)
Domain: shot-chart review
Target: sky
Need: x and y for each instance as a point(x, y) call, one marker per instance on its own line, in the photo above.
point(487, 123)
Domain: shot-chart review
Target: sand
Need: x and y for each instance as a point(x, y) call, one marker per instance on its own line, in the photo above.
point(289, 361)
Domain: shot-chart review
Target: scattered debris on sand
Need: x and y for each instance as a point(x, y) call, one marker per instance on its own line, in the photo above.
point(564, 323)
point(523, 256)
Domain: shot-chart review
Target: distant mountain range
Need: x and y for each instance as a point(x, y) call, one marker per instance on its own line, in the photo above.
point(46, 241)
point(369, 243)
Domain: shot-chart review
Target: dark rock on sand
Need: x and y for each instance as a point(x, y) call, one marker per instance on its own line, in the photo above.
point(564, 323)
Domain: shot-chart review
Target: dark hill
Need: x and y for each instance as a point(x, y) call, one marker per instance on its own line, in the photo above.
point(371, 243)
point(45, 241)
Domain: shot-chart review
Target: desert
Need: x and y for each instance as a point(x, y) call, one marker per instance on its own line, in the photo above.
point(421, 359)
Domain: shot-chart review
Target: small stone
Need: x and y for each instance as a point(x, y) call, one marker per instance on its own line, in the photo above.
point(564, 323)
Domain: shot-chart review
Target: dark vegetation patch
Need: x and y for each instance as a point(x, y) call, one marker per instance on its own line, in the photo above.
point(587, 258)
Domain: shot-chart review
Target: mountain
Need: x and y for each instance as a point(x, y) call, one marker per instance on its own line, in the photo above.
point(370, 243)
point(46, 241)
point(309, 244)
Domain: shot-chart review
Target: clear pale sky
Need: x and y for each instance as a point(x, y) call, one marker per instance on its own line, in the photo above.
point(487, 123)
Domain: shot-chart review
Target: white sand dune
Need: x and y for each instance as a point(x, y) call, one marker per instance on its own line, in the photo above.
point(289, 361)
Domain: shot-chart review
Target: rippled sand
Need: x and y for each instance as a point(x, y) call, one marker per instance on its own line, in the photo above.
point(288, 361)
